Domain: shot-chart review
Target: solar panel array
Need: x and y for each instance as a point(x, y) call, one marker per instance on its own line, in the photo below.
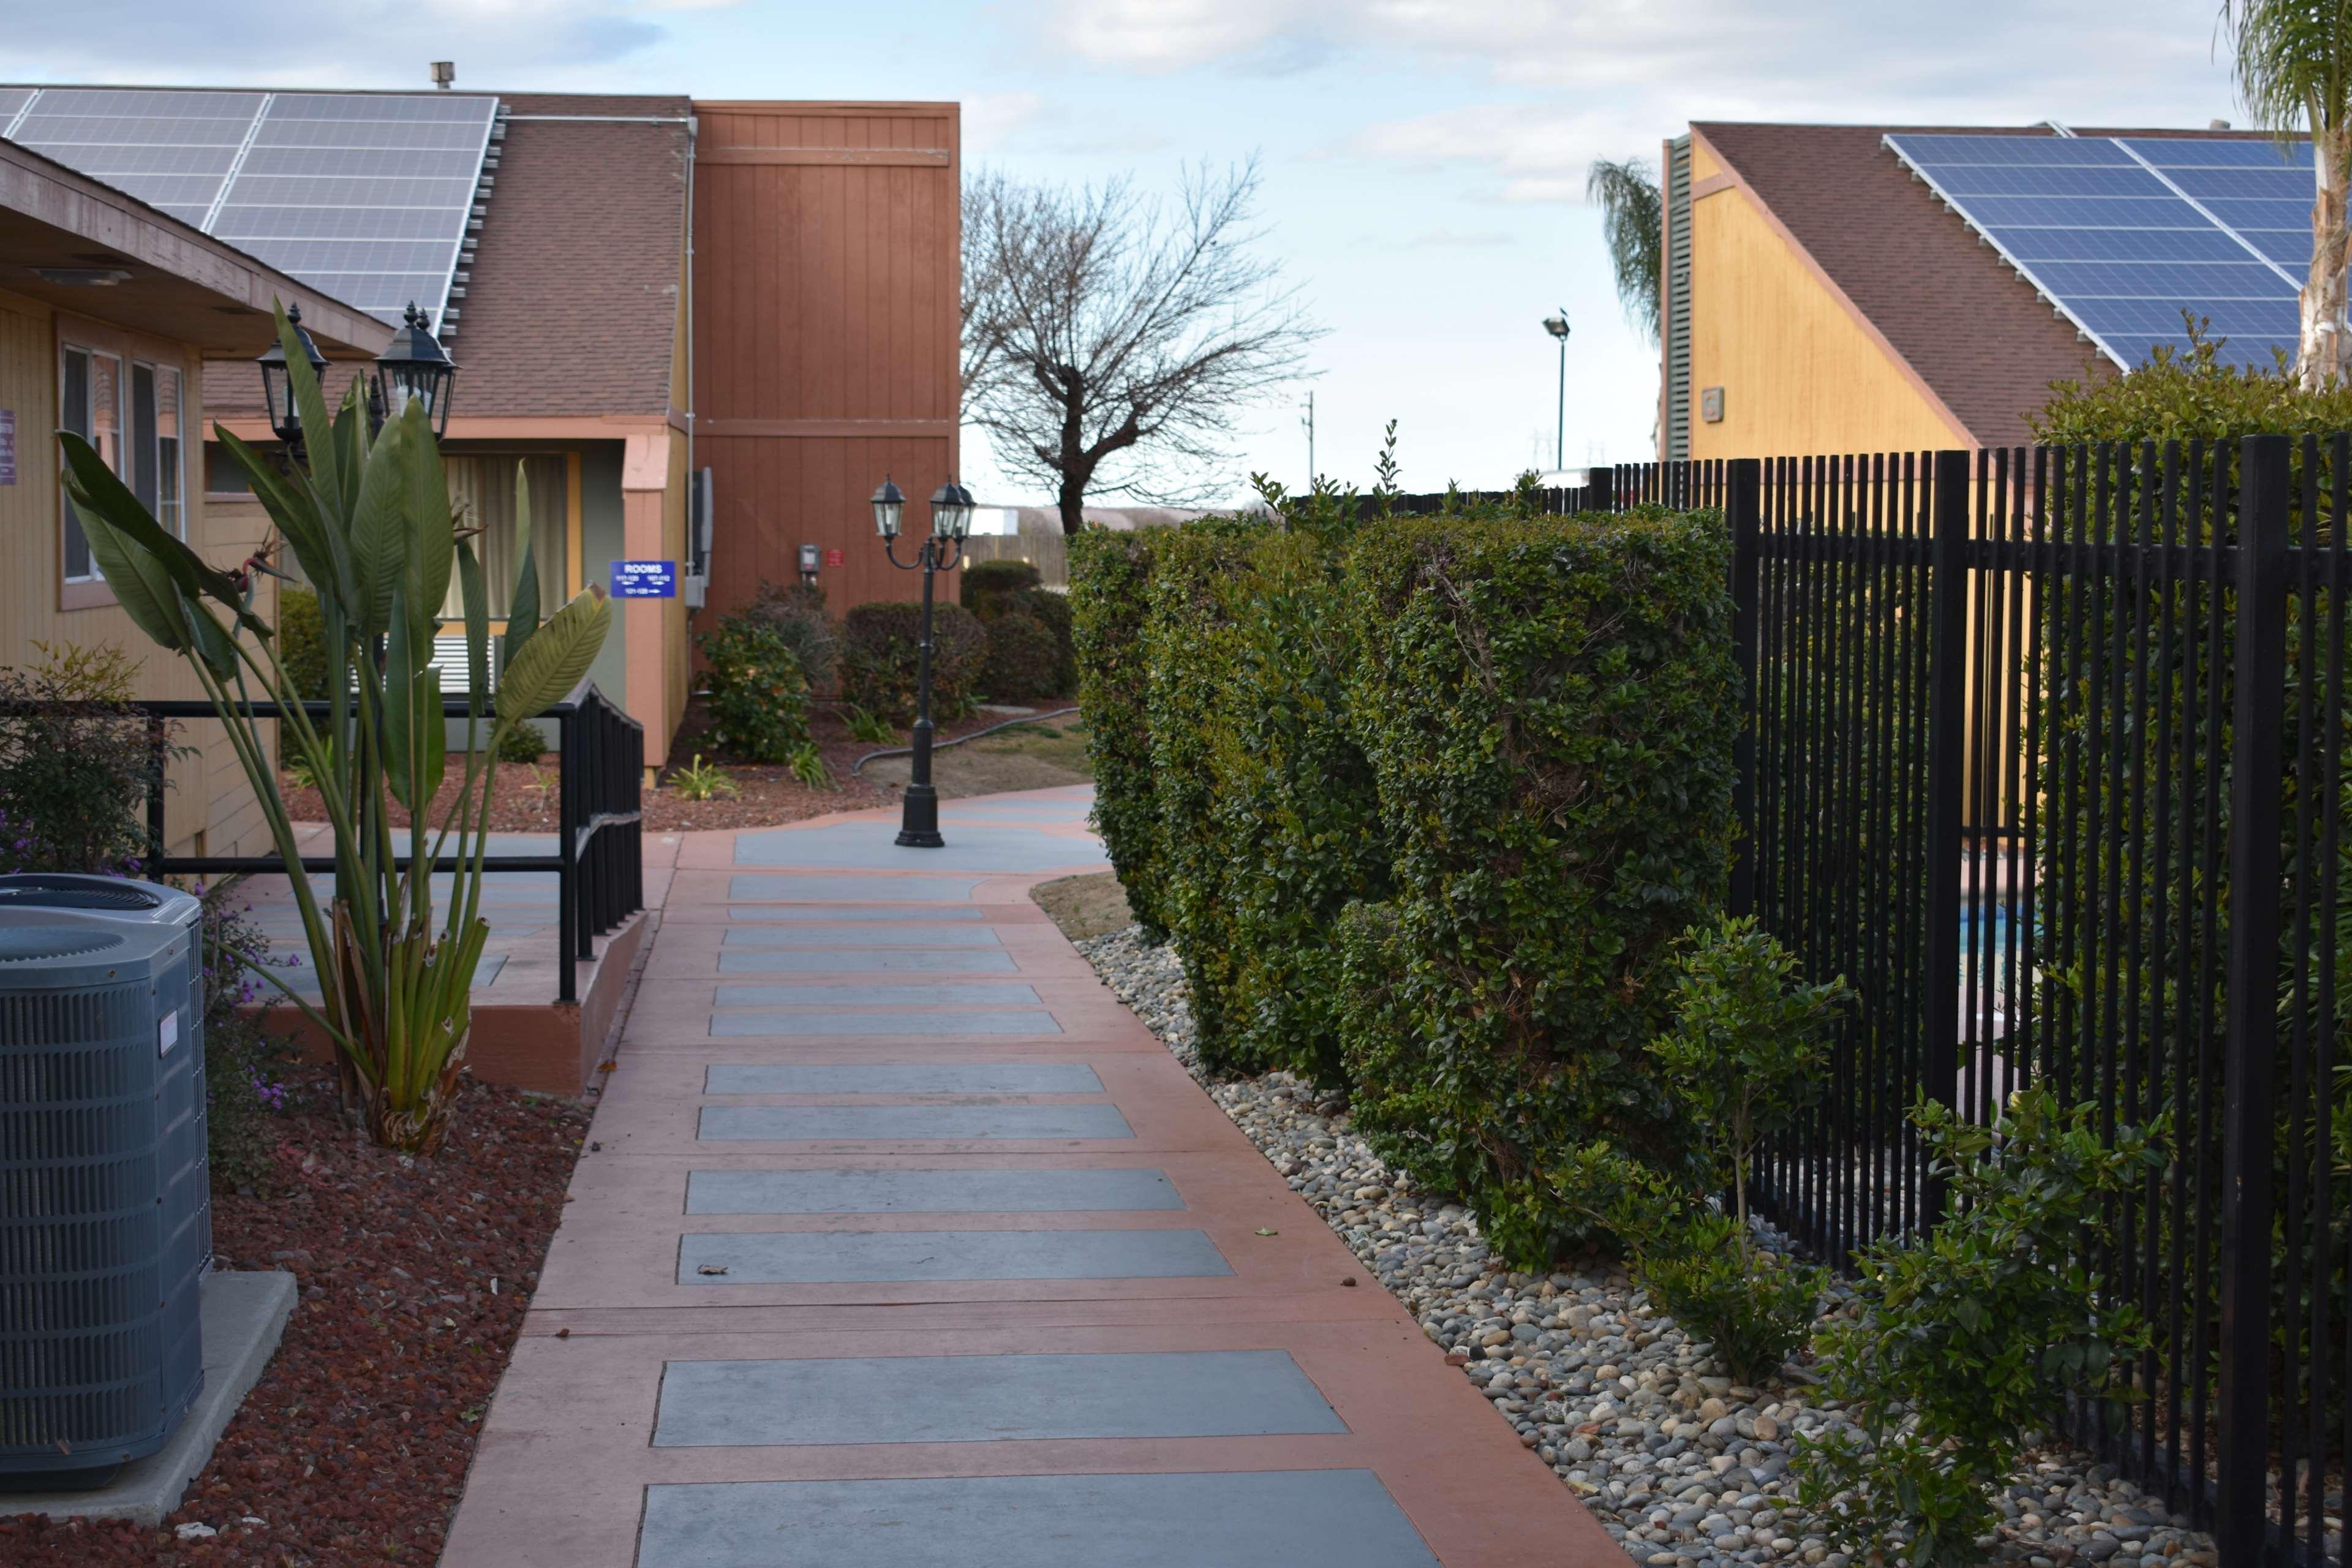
point(364, 196)
point(2123, 234)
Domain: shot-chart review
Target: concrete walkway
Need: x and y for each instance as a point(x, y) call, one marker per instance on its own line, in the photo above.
point(902, 1244)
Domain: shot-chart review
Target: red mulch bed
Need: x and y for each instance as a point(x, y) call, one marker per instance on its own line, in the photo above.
point(354, 1445)
point(765, 796)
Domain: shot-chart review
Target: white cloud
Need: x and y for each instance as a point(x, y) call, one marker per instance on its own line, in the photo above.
point(1570, 81)
point(351, 43)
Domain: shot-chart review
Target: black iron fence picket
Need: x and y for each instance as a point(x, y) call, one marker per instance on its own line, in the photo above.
point(2046, 756)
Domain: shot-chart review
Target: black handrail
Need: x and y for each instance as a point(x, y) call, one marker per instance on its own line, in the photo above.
point(599, 862)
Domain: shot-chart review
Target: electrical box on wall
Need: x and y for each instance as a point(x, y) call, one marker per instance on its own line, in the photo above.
point(1711, 404)
point(696, 588)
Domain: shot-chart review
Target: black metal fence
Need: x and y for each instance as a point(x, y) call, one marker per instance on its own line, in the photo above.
point(599, 860)
point(2047, 757)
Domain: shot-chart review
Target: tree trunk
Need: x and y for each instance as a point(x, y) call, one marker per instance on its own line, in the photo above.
point(1073, 499)
point(2323, 353)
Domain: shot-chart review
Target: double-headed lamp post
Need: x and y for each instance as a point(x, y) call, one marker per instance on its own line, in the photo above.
point(919, 822)
point(414, 368)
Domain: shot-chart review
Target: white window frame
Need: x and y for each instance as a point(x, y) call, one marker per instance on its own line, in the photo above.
point(86, 427)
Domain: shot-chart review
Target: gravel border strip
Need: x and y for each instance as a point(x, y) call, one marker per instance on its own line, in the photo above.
point(1683, 1467)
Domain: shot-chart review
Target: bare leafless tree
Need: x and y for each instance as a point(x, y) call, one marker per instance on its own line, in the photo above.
point(1111, 339)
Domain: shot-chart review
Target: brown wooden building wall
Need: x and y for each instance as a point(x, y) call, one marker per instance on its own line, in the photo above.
point(827, 326)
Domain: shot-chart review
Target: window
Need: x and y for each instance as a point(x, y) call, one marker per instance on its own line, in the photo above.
point(155, 443)
point(133, 423)
point(89, 405)
point(482, 489)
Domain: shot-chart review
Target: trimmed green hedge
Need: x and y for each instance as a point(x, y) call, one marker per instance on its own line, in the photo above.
point(1110, 585)
point(1550, 706)
point(1268, 808)
point(1424, 804)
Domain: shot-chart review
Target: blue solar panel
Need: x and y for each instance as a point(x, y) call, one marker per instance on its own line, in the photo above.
point(2123, 236)
point(366, 196)
point(2211, 153)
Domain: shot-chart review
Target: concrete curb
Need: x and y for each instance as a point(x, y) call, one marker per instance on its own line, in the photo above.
point(243, 1318)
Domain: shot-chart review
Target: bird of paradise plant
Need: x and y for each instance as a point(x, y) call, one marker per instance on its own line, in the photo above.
point(368, 520)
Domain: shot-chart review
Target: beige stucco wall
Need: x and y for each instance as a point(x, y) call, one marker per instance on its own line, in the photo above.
point(208, 808)
point(1800, 372)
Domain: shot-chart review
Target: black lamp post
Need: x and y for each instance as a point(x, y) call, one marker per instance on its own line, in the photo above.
point(277, 391)
point(918, 823)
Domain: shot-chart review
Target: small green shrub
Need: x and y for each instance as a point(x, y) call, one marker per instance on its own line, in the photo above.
point(1976, 1332)
point(1753, 1305)
point(796, 611)
point(245, 1066)
point(868, 728)
point(991, 588)
point(1548, 706)
point(1748, 1049)
point(881, 644)
point(759, 699)
point(523, 744)
point(700, 780)
point(1111, 580)
point(302, 641)
point(74, 759)
point(1024, 660)
point(1052, 611)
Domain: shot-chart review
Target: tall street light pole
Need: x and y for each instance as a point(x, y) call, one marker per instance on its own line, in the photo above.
point(1557, 327)
point(919, 818)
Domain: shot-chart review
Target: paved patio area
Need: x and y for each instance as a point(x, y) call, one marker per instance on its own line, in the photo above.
point(902, 1243)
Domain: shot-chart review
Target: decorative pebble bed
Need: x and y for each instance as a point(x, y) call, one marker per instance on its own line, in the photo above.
point(1682, 1466)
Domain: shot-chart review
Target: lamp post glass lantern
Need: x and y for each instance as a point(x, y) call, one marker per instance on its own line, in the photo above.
point(918, 819)
point(414, 368)
point(278, 392)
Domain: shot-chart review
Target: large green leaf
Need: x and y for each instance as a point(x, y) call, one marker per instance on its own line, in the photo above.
point(139, 584)
point(475, 595)
point(399, 681)
point(95, 487)
point(316, 549)
point(522, 611)
point(432, 540)
point(380, 531)
point(553, 661)
point(311, 406)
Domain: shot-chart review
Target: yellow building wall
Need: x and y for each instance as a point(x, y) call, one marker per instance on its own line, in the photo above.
point(1800, 375)
point(208, 808)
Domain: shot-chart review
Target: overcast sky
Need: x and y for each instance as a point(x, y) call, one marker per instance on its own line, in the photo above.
point(1425, 159)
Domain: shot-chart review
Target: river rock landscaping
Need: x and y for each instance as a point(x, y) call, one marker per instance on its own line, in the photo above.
point(1682, 1466)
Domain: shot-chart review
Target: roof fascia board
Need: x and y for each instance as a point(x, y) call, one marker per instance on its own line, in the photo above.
point(1846, 301)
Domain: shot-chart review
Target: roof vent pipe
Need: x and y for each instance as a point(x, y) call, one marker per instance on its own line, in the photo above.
point(2217, 125)
point(444, 74)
